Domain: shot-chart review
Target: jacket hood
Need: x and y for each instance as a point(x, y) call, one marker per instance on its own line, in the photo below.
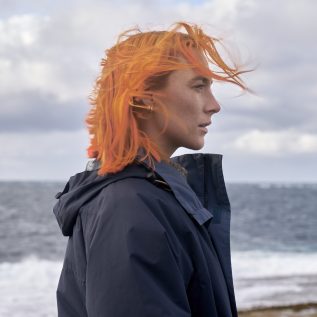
point(188, 176)
point(82, 187)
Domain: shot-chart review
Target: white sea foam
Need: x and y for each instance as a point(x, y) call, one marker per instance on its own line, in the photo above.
point(270, 279)
point(28, 288)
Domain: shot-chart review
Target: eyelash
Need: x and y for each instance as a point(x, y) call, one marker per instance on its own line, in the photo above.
point(199, 86)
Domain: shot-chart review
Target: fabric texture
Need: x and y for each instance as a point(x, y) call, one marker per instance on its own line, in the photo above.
point(145, 242)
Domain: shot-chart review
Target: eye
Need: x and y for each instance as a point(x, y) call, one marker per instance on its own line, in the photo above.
point(199, 87)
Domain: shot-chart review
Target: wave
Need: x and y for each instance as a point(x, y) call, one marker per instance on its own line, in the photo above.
point(28, 288)
point(261, 279)
point(266, 279)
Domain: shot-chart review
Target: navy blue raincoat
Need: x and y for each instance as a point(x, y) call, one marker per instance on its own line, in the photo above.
point(147, 243)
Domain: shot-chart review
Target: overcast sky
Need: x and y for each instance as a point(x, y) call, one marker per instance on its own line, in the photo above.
point(50, 53)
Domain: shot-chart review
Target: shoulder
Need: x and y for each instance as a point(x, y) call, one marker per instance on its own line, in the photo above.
point(134, 209)
point(134, 190)
point(136, 196)
point(129, 202)
point(126, 210)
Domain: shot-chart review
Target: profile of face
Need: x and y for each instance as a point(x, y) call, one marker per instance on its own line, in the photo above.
point(190, 102)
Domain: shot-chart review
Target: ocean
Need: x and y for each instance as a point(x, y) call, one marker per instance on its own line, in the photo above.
point(273, 246)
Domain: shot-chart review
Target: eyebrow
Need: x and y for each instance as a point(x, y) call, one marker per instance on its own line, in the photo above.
point(204, 79)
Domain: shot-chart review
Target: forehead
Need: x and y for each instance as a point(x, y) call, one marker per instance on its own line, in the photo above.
point(200, 57)
point(191, 73)
point(185, 75)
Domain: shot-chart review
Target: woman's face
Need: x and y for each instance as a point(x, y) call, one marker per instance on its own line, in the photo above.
point(189, 99)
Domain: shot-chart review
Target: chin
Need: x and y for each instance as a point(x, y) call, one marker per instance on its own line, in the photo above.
point(196, 146)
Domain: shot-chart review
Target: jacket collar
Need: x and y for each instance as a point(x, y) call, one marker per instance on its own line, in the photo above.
point(195, 179)
point(183, 192)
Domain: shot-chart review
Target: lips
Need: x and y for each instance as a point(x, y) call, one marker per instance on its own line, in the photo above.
point(203, 125)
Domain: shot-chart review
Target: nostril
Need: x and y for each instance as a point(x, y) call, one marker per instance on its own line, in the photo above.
point(217, 109)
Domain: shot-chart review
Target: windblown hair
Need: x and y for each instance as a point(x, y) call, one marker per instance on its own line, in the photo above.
point(138, 67)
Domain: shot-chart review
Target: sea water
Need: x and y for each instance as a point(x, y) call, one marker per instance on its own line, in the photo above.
point(273, 246)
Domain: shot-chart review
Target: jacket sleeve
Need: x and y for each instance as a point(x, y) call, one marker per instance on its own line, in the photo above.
point(131, 268)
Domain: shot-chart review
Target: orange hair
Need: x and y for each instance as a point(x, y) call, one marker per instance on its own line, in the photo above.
point(138, 66)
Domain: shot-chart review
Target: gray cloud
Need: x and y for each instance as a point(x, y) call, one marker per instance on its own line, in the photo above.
point(35, 111)
point(46, 82)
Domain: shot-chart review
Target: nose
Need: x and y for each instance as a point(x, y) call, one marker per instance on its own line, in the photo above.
point(212, 105)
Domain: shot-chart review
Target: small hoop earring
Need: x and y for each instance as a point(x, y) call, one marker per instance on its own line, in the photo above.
point(146, 107)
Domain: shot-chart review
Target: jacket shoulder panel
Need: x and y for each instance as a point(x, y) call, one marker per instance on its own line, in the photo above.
point(131, 244)
point(133, 202)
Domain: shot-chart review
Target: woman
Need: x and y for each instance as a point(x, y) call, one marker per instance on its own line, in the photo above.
point(149, 235)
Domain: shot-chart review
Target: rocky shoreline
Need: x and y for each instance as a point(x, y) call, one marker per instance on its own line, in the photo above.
point(299, 310)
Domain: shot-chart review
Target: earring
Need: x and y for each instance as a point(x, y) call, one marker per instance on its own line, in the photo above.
point(146, 107)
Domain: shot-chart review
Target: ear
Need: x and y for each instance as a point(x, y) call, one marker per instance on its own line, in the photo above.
point(143, 101)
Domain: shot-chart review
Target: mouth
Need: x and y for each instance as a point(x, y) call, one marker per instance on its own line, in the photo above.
point(205, 124)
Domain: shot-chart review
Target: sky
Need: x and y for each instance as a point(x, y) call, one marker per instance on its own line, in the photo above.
point(50, 53)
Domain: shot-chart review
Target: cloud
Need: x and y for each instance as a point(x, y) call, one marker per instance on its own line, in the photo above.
point(21, 30)
point(45, 156)
point(31, 111)
point(50, 55)
point(276, 143)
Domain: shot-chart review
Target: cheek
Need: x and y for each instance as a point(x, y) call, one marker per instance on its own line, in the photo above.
point(189, 114)
point(184, 108)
